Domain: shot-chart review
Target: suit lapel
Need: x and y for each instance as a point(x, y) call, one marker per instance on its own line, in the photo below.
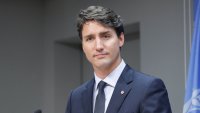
point(87, 97)
point(121, 90)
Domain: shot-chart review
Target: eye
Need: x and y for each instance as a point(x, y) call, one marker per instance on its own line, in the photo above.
point(106, 36)
point(89, 38)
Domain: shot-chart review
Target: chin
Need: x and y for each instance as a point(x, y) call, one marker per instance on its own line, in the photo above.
point(103, 64)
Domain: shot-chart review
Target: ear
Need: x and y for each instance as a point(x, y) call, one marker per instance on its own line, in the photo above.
point(121, 39)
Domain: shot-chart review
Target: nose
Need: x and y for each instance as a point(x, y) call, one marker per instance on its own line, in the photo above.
point(99, 45)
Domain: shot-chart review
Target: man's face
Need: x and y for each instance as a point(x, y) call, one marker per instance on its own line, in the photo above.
point(101, 45)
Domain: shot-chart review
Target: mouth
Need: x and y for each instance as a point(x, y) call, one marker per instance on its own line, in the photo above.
point(100, 55)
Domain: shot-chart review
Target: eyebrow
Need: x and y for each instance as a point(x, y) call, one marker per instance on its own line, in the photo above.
point(101, 33)
point(88, 36)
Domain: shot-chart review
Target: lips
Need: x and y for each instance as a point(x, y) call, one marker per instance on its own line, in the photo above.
point(100, 55)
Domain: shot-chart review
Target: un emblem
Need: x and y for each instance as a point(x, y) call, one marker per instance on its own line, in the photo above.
point(193, 105)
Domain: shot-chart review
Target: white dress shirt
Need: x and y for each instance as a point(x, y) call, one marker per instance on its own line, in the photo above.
point(111, 81)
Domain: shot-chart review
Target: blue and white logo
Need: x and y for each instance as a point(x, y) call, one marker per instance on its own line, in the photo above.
point(193, 104)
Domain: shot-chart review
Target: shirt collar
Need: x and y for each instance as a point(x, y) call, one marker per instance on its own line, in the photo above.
point(113, 77)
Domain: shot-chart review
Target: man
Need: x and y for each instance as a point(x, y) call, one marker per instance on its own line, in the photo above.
point(116, 87)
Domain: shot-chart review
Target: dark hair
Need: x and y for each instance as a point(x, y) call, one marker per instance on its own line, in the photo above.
point(100, 14)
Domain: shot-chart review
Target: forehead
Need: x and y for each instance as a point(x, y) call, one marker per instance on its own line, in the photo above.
point(94, 27)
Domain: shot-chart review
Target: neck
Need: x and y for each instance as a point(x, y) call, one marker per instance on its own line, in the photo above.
point(104, 72)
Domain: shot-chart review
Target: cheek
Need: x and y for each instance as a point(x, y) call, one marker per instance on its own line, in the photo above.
point(115, 45)
point(114, 49)
point(87, 51)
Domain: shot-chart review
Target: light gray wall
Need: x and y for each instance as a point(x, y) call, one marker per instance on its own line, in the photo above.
point(67, 73)
point(21, 56)
point(131, 50)
point(59, 25)
point(162, 51)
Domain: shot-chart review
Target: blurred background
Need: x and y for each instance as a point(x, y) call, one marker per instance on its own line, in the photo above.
point(41, 59)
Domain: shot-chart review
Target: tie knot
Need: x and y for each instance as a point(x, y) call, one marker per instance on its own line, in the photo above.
point(101, 85)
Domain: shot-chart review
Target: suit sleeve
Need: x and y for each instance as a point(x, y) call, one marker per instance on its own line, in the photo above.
point(156, 98)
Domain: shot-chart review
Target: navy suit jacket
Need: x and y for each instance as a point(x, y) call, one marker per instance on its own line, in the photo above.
point(142, 94)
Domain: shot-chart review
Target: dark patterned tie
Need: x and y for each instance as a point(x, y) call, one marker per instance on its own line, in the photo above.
point(100, 99)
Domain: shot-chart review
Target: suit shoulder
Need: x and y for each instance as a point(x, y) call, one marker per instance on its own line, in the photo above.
point(146, 79)
point(82, 87)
